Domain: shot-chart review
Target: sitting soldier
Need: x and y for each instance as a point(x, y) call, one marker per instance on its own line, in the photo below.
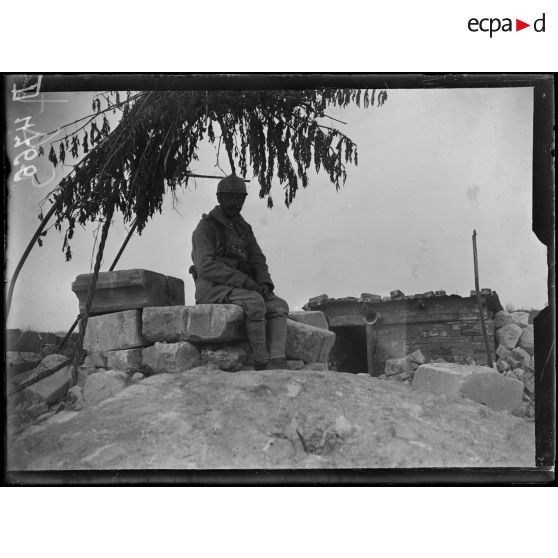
point(230, 268)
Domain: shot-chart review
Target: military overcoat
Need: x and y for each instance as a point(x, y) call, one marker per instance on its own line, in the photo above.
point(225, 253)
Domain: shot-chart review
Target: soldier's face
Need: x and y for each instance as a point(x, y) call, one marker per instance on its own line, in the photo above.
point(231, 204)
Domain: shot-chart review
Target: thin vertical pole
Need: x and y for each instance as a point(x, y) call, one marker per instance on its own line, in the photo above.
point(371, 342)
point(479, 302)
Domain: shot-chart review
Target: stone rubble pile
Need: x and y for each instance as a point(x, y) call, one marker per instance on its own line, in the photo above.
point(515, 348)
point(324, 300)
point(138, 331)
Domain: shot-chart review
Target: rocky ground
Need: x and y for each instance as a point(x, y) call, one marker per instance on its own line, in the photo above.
point(208, 418)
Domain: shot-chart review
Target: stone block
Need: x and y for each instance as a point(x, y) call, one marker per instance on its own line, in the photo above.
point(308, 343)
point(129, 289)
point(369, 297)
point(295, 364)
point(509, 335)
point(479, 383)
point(230, 359)
point(104, 384)
point(520, 318)
point(502, 352)
point(501, 319)
point(314, 318)
point(502, 365)
point(527, 340)
point(170, 358)
point(203, 323)
point(215, 323)
point(51, 389)
point(112, 332)
point(418, 357)
point(392, 367)
point(127, 360)
point(522, 356)
point(98, 360)
point(318, 366)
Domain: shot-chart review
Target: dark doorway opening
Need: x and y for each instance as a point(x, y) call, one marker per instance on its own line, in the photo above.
point(349, 351)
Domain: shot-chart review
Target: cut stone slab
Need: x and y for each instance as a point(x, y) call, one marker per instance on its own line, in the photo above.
point(170, 358)
point(54, 387)
point(230, 359)
point(527, 340)
point(502, 365)
point(320, 366)
point(520, 318)
point(502, 318)
point(509, 335)
point(129, 289)
point(127, 360)
point(98, 360)
point(370, 297)
point(502, 352)
point(417, 357)
point(312, 317)
point(104, 384)
point(479, 383)
point(522, 355)
point(392, 367)
point(404, 365)
point(203, 323)
point(112, 332)
point(295, 364)
point(308, 343)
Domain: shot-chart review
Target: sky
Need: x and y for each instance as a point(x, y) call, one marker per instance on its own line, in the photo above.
point(433, 166)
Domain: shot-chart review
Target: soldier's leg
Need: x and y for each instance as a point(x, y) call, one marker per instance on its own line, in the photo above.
point(254, 310)
point(276, 315)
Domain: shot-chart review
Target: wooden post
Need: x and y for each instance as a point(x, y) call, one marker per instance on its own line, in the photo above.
point(479, 302)
point(371, 341)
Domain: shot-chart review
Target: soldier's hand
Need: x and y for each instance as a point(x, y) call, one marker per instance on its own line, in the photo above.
point(251, 285)
point(265, 290)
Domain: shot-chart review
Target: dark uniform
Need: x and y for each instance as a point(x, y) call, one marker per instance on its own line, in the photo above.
point(228, 264)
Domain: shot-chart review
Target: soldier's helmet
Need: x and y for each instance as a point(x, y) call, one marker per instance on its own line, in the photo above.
point(232, 184)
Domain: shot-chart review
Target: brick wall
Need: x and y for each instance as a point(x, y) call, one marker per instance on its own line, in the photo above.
point(446, 326)
point(453, 341)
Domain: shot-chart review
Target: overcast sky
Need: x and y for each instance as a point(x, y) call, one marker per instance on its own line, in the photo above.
point(433, 166)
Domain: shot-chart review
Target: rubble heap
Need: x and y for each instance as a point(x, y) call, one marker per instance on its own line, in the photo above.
point(143, 339)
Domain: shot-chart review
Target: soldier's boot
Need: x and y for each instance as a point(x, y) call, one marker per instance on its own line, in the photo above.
point(277, 335)
point(255, 329)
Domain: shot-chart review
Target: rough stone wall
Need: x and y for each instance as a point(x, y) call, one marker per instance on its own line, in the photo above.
point(454, 341)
